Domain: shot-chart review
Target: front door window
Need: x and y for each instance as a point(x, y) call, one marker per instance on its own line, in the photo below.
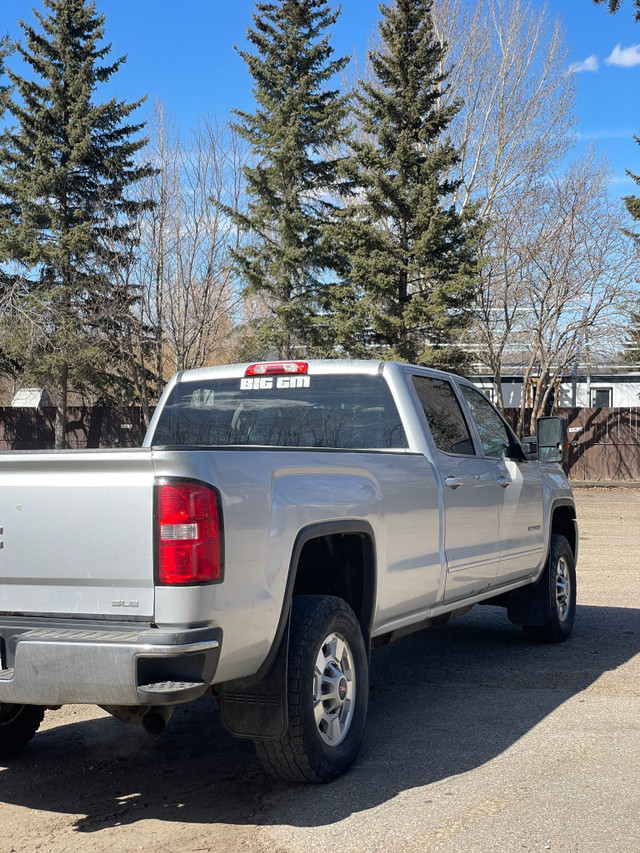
point(497, 440)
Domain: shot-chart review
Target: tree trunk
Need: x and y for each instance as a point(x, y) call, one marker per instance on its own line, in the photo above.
point(523, 405)
point(497, 384)
point(146, 411)
point(541, 387)
point(159, 321)
point(140, 384)
point(60, 432)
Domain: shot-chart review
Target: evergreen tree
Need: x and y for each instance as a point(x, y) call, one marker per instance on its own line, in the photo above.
point(66, 167)
point(631, 352)
point(5, 89)
point(411, 252)
point(632, 203)
point(289, 260)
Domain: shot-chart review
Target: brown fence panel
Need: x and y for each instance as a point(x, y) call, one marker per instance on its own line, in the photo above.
point(25, 429)
point(605, 443)
point(87, 427)
point(100, 426)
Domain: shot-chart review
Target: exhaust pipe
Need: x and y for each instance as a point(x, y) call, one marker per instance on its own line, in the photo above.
point(155, 720)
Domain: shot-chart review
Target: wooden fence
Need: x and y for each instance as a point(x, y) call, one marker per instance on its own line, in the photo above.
point(87, 427)
point(605, 442)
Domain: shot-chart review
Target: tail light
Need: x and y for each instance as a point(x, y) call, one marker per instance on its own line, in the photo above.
point(189, 533)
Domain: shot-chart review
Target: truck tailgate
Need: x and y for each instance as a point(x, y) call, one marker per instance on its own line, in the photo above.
point(76, 533)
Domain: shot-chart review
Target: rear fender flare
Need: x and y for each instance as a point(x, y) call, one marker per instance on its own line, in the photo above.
point(317, 531)
point(257, 707)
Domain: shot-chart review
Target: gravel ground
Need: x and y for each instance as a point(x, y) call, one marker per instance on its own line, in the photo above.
point(476, 743)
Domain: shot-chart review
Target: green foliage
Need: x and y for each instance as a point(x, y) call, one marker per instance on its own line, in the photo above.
point(5, 90)
point(412, 256)
point(631, 351)
point(633, 203)
point(289, 262)
point(66, 166)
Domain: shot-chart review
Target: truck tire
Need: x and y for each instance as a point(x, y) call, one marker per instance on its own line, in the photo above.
point(559, 585)
point(18, 724)
point(328, 693)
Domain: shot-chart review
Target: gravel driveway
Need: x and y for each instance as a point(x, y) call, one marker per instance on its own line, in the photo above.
point(476, 741)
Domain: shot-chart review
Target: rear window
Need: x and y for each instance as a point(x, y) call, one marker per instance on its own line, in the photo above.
point(345, 412)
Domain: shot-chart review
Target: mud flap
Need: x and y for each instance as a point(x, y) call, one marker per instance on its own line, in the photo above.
point(258, 709)
point(529, 605)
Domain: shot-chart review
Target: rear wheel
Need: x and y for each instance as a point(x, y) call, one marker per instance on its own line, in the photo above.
point(559, 583)
point(18, 724)
point(328, 686)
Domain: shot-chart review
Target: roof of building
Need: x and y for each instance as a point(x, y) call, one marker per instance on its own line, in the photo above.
point(31, 398)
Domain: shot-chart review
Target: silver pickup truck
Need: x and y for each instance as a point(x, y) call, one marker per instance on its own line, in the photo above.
point(280, 521)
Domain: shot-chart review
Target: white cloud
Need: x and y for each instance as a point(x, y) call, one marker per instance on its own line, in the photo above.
point(623, 180)
point(624, 57)
point(588, 64)
point(584, 135)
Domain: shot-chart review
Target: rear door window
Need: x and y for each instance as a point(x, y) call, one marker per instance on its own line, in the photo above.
point(333, 411)
point(446, 420)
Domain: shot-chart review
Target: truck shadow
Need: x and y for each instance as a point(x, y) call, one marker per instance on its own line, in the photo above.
point(442, 702)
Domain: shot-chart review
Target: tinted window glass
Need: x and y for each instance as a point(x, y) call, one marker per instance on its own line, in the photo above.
point(601, 398)
point(347, 412)
point(444, 415)
point(495, 436)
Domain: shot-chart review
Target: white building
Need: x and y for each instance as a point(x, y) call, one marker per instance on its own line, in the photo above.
point(593, 390)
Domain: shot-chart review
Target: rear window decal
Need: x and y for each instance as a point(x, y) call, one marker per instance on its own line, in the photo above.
point(265, 383)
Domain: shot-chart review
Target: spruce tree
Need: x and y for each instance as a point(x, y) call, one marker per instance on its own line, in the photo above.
point(66, 166)
point(632, 203)
point(411, 252)
point(288, 264)
point(631, 351)
point(5, 89)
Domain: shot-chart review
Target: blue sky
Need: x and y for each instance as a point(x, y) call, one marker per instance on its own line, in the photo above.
point(182, 51)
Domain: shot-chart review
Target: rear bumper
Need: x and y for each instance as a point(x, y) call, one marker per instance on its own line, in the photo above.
point(106, 666)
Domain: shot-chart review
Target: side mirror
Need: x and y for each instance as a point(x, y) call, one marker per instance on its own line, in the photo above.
point(530, 447)
point(553, 443)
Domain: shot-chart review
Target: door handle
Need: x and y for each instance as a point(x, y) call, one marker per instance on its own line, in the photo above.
point(503, 481)
point(453, 482)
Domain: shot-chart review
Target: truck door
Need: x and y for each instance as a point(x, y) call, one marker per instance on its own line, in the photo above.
point(471, 536)
point(520, 518)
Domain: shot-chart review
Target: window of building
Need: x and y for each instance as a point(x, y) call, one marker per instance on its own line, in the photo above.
point(601, 398)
